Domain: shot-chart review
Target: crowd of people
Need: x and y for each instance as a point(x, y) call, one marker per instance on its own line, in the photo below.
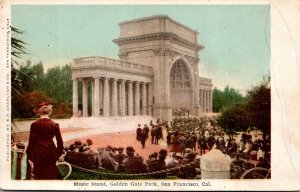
point(187, 139)
point(130, 162)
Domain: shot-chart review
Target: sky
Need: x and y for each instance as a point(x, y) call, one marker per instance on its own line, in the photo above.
point(236, 37)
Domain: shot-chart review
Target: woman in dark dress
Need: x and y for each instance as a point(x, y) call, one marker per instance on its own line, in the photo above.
point(41, 150)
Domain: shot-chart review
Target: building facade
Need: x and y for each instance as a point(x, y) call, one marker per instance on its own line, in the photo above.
point(158, 71)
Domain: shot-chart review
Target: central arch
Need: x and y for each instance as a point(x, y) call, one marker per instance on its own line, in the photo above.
point(180, 86)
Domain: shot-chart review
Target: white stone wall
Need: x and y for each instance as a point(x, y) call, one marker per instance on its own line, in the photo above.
point(148, 49)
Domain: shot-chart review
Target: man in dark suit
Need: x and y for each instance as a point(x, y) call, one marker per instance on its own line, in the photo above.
point(133, 163)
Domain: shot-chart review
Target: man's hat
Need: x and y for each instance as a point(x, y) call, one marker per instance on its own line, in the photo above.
point(78, 142)
point(130, 149)
point(89, 141)
point(20, 145)
point(120, 148)
point(191, 155)
point(188, 150)
point(163, 152)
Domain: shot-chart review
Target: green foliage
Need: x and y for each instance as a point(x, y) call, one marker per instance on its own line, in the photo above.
point(58, 84)
point(235, 119)
point(17, 49)
point(31, 76)
point(54, 86)
point(227, 98)
point(254, 113)
point(259, 106)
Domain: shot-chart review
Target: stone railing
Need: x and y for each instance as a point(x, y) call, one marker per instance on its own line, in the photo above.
point(205, 81)
point(102, 62)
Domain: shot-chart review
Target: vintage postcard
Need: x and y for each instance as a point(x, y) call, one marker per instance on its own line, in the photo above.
point(150, 95)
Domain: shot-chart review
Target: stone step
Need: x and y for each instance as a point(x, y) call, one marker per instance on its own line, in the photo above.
point(105, 124)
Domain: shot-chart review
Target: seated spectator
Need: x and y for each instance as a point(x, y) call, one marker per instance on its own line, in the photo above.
point(106, 159)
point(233, 148)
point(247, 147)
point(158, 164)
point(88, 142)
point(153, 156)
point(84, 148)
point(220, 144)
point(237, 167)
point(85, 158)
point(241, 146)
point(188, 172)
point(253, 150)
point(187, 151)
point(133, 164)
point(237, 161)
point(263, 163)
point(119, 158)
point(247, 164)
point(174, 162)
point(77, 145)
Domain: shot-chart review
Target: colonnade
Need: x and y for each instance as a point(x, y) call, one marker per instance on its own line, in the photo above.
point(205, 100)
point(113, 97)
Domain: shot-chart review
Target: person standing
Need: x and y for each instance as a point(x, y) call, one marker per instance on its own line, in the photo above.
point(144, 135)
point(41, 151)
point(138, 132)
point(152, 132)
point(182, 141)
point(202, 144)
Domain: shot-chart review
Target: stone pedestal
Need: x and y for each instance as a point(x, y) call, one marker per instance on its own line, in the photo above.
point(215, 165)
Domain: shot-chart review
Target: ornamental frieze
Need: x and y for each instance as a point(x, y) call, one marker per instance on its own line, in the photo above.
point(158, 36)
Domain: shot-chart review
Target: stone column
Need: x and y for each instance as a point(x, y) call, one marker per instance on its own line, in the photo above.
point(149, 99)
point(122, 98)
point(114, 98)
point(167, 113)
point(130, 99)
point(92, 97)
point(84, 98)
point(204, 100)
point(96, 103)
point(105, 97)
point(144, 99)
point(207, 102)
point(75, 97)
point(200, 99)
point(100, 95)
point(211, 101)
point(137, 98)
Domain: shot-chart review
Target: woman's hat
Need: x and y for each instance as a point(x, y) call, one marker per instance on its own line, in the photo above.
point(40, 105)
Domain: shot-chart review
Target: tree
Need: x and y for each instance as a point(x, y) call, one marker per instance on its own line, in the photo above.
point(235, 119)
point(227, 98)
point(31, 76)
point(255, 112)
point(17, 49)
point(58, 84)
point(259, 105)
